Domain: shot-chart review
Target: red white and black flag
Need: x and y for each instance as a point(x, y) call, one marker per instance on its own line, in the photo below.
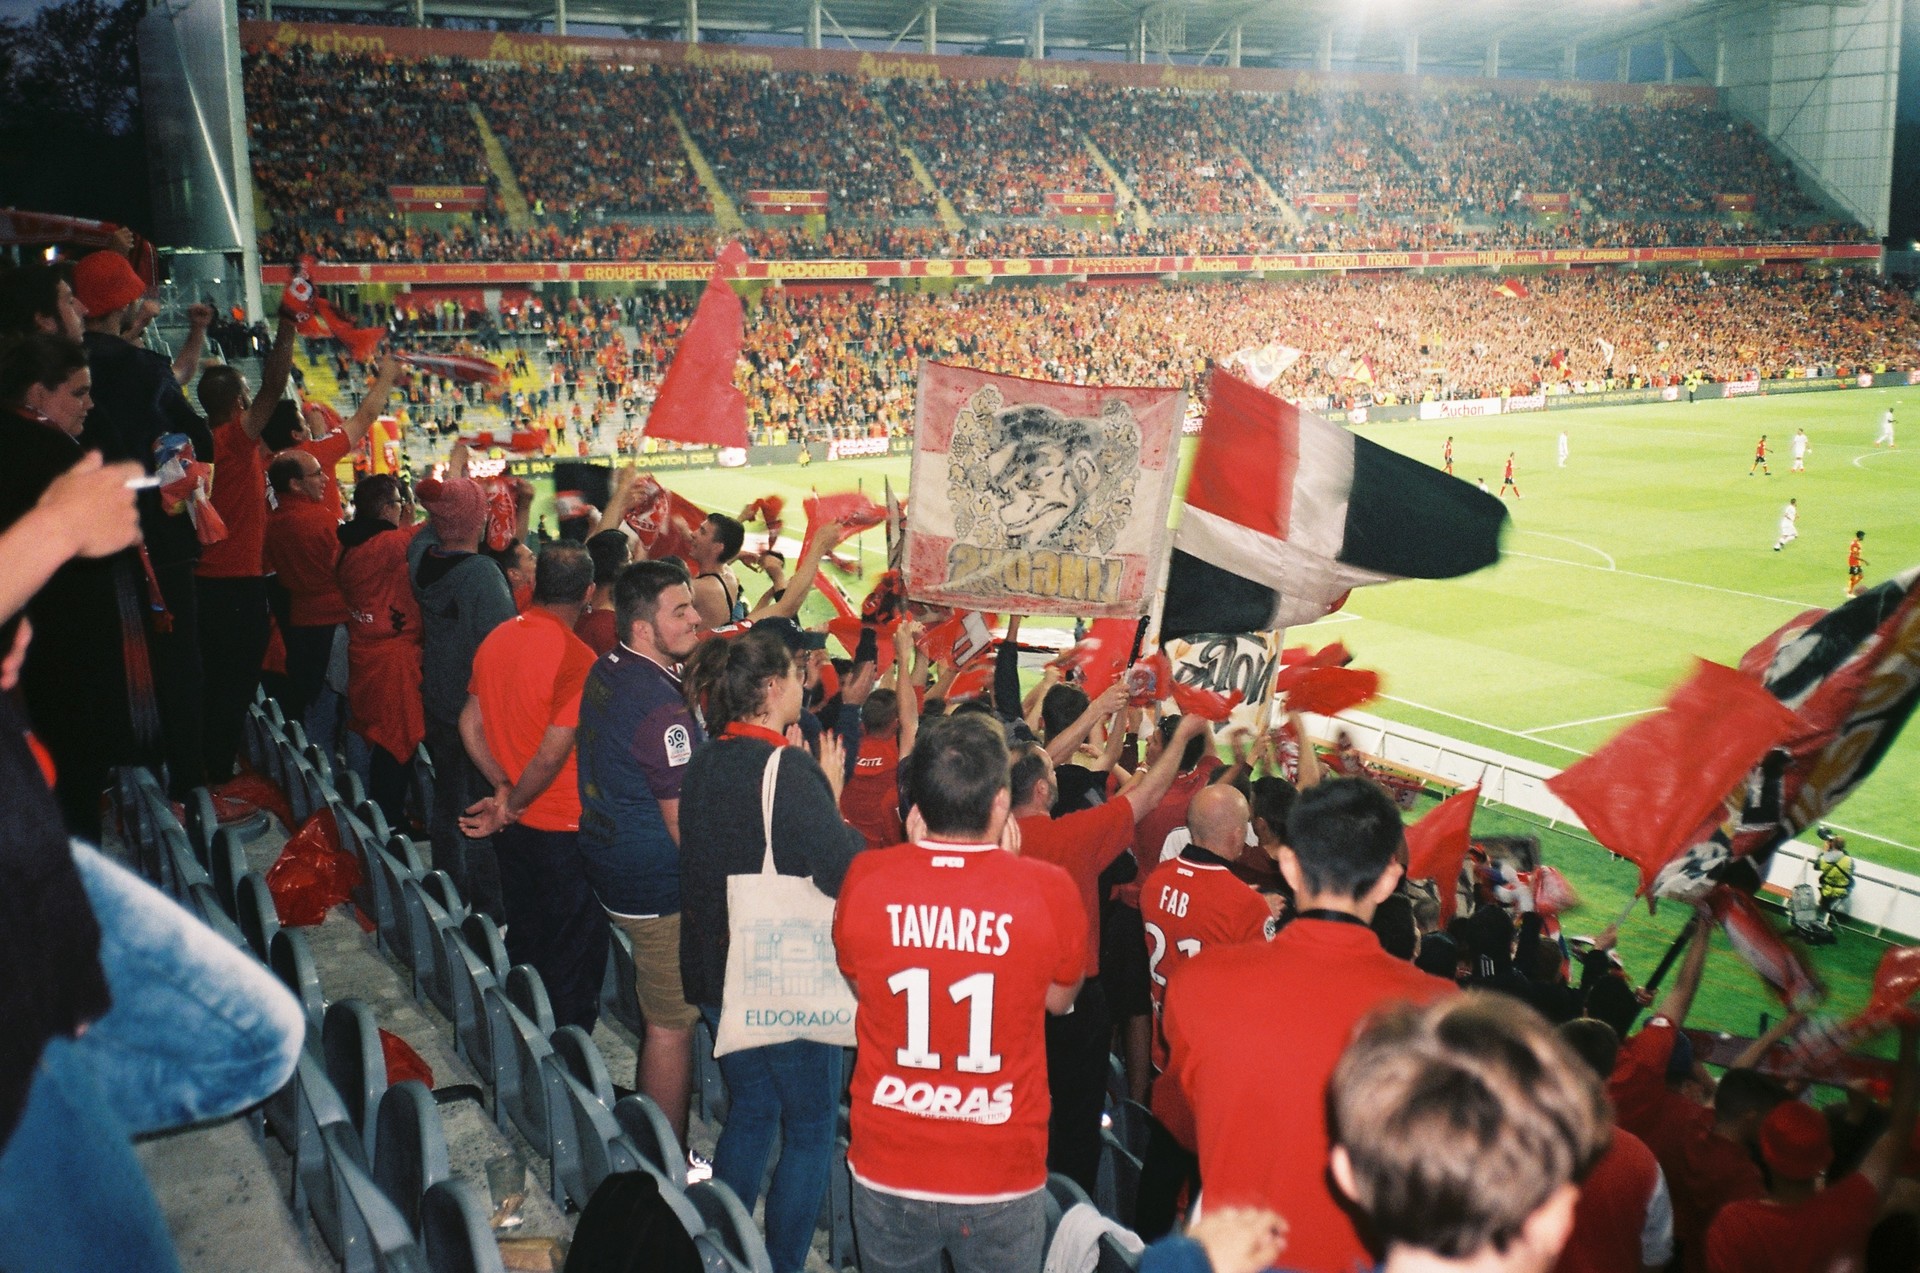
point(1852, 677)
point(1287, 512)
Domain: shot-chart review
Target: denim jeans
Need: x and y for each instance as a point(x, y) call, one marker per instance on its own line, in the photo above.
point(907, 1235)
point(792, 1089)
point(197, 1030)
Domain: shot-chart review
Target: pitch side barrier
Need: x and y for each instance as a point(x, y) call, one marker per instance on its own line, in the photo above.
point(1471, 408)
point(697, 457)
point(1884, 900)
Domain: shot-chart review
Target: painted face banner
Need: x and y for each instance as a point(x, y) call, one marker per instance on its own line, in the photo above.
point(1038, 498)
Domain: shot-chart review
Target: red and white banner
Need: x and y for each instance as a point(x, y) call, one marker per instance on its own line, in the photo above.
point(1527, 402)
point(1540, 202)
point(1331, 201)
point(1039, 498)
point(490, 273)
point(1461, 409)
point(1733, 202)
point(1080, 203)
point(1739, 388)
point(437, 198)
point(787, 203)
point(851, 448)
point(1757, 942)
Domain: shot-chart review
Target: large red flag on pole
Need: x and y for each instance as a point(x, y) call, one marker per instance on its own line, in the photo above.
point(1437, 846)
point(698, 401)
point(1647, 791)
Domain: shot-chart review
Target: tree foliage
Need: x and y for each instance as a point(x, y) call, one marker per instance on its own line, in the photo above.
point(72, 68)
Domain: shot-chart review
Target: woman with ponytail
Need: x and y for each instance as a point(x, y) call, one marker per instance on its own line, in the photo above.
point(749, 692)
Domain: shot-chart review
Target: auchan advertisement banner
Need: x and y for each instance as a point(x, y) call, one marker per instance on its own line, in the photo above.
point(547, 50)
point(504, 272)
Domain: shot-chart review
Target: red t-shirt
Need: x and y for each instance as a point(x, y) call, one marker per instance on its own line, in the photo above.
point(329, 451)
point(871, 801)
point(528, 674)
point(1825, 1234)
point(1708, 1173)
point(599, 629)
point(1082, 843)
point(952, 949)
point(1150, 836)
point(1611, 1218)
point(1645, 1105)
point(1187, 905)
point(240, 497)
point(302, 546)
point(1254, 1032)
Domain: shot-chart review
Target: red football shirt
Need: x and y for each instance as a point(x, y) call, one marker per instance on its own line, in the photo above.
point(599, 629)
point(302, 546)
point(1707, 1174)
point(1255, 1031)
point(1610, 1222)
point(1151, 835)
point(1187, 904)
point(1825, 1234)
point(1645, 1105)
point(240, 497)
point(871, 801)
point(952, 949)
point(528, 674)
point(1082, 843)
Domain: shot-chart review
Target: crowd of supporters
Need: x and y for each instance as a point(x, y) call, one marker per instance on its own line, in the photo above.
point(596, 152)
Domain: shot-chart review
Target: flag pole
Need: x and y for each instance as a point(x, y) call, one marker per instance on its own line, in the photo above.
point(1673, 952)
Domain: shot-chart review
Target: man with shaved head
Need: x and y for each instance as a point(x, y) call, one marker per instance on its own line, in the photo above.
point(1190, 902)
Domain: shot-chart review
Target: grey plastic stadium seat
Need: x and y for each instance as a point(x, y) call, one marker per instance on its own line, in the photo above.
point(440, 887)
point(577, 1050)
point(422, 919)
point(292, 961)
point(483, 936)
point(453, 1224)
point(470, 979)
point(255, 914)
point(182, 867)
point(370, 1228)
point(708, 1084)
point(652, 1135)
point(1114, 1258)
point(347, 785)
point(619, 988)
point(409, 1148)
point(596, 1147)
point(350, 1040)
point(202, 902)
point(227, 863)
point(391, 919)
point(201, 822)
point(407, 853)
point(731, 1225)
point(526, 1091)
point(374, 820)
point(1132, 1127)
point(1063, 1194)
point(296, 1115)
point(1118, 1181)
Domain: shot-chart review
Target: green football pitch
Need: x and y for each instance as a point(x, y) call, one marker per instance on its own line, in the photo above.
point(1652, 546)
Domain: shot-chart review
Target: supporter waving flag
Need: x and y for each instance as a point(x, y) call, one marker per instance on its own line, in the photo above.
point(1852, 676)
point(1287, 512)
point(698, 401)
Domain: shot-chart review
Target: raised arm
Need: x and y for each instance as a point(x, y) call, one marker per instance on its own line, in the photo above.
point(273, 380)
point(1883, 1161)
point(1063, 744)
point(1145, 794)
point(375, 402)
point(1678, 1001)
point(825, 539)
point(187, 361)
point(908, 702)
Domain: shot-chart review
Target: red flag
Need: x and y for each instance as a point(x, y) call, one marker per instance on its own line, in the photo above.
point(971, 683)
point(1327, 691)
point(851, 507)
point(1778, 964)
point(939, 640)
point(1331, 655)
point(1656, 781)
point(1102, 654)
point(462, 367)
point(1437, 846)
point(664, 521)
point(360, 341)
point(698, 401)
point(1513, 289)
point(1210, 704)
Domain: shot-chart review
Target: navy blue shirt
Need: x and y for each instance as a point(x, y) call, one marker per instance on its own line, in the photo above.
point(633, 743)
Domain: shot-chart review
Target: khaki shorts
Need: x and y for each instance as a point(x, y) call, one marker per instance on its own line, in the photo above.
point(656, 971)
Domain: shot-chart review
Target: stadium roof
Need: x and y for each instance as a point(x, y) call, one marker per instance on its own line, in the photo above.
point(1533, 37)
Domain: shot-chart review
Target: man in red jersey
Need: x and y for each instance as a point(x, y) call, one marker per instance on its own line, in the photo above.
point(1805, 1225)
point(1624, 1219)
point(957, 950)
point(1085, 843)
point(1190, 902)
point(523, 707)
point(889, 721)
point(1254, 1030)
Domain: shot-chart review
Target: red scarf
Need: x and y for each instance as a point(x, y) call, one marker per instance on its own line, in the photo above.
point(742, 729)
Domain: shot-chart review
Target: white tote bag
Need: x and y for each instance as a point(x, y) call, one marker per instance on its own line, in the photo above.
point(783, 982)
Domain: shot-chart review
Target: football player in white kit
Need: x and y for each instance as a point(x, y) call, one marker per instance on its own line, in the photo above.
point(1789, 525)
point(1886, 431)
point(1800, 448)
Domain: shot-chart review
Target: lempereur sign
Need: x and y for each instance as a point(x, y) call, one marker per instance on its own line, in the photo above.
point(1039, 498)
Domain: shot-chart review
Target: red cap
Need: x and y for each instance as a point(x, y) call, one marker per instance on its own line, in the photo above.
point(103, 282)
point(1794, 1141)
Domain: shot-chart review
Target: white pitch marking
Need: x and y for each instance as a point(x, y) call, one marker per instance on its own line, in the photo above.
point(1576, 543)
point(1591, 720)
point(1684, 583)
point(1868, 455)
point(1498, 729)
